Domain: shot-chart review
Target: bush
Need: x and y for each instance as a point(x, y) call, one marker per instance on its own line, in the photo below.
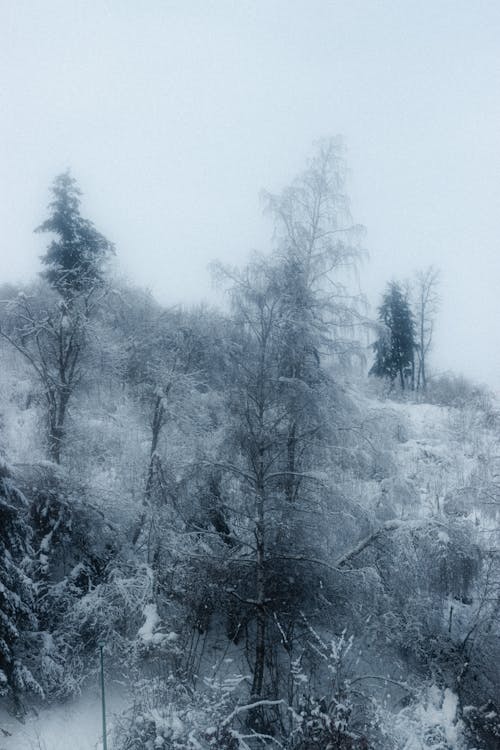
point(459, 392)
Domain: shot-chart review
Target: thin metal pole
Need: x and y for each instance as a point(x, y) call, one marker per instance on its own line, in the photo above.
point(103, 699)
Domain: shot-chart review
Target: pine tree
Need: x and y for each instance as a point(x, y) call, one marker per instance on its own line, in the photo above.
point(74, 259)
point(17, 590)
point(52, 334)
point(395, 347)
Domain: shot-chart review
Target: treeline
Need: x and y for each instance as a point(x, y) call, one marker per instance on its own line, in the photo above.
point(222, 507)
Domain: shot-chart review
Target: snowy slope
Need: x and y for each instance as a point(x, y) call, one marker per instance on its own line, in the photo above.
point(435, 453)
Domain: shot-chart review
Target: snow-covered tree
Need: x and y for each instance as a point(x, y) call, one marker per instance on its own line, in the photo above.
point(74, 260)
point(426, 305)
point(17, 590)
point(395, 347)
point(51, 335)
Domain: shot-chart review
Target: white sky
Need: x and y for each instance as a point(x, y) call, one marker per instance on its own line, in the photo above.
point(173, 114)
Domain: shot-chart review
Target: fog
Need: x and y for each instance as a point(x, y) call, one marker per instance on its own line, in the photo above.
point(174, 115)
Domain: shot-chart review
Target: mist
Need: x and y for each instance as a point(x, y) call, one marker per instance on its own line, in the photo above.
point(173, 117)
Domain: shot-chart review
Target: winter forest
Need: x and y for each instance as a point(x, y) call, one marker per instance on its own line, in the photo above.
point(276, 524)
point(249, 375)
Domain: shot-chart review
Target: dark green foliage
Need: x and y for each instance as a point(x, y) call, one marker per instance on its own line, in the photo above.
point(395, 347)
point(74, 259)
point(16, 589)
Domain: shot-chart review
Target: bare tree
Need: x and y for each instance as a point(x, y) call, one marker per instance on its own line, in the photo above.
point(51, 336)
point(289, 310)
point(318, 247)
point(318, 239)
point(426, 303)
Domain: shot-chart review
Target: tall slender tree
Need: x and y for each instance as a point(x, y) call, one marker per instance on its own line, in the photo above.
point(318, 246)
point(426, 305)
point(289, 310)
point(51, 332)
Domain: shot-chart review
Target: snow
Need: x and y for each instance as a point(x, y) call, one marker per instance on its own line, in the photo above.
point(431, 724)
point(76, 725)
point(147, 632)
point(429, 461)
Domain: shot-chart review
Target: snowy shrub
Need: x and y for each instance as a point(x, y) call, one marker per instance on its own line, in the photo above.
point(326, 726)
point(167, 715)
point(483, 723)
point(463, 394)
point(431, 723)
point(111, 610)
point(330, 720)
point(73, 548)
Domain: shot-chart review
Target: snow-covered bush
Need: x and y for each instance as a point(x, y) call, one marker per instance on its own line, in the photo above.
point(324, 725)
point(457, 391)
point(328, 719)
point(167, 715)
point(431, 722)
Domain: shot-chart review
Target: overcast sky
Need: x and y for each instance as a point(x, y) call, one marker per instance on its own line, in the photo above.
point(174, 115)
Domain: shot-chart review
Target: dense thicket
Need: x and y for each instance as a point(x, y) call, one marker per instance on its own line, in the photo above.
point(273, 555)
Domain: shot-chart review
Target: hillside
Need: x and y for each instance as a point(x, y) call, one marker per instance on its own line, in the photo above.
point(272, 547)
point(412, 624)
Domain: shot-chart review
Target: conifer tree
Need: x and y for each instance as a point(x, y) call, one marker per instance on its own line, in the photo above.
point(75, 257)
point(16, 590)
point(395, 347)
point(53, 337)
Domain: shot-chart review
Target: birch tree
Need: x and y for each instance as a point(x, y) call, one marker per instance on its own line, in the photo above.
point(291, 311)
point(426, 306)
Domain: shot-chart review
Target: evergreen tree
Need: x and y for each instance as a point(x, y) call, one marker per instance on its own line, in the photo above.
point(395, 347)
point(52, 333)
point(74, 259)
point(16, 590)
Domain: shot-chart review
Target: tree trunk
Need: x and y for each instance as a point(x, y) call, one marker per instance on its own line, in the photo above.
point(422, 350)
point(290, 481)
point(154, 465)
point(57, 407)
point(260, 643)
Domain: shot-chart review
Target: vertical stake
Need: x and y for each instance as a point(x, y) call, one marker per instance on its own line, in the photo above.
point(103, 699)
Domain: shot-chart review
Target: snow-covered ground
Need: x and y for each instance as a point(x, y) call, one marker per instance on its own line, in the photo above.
point(75, 725)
